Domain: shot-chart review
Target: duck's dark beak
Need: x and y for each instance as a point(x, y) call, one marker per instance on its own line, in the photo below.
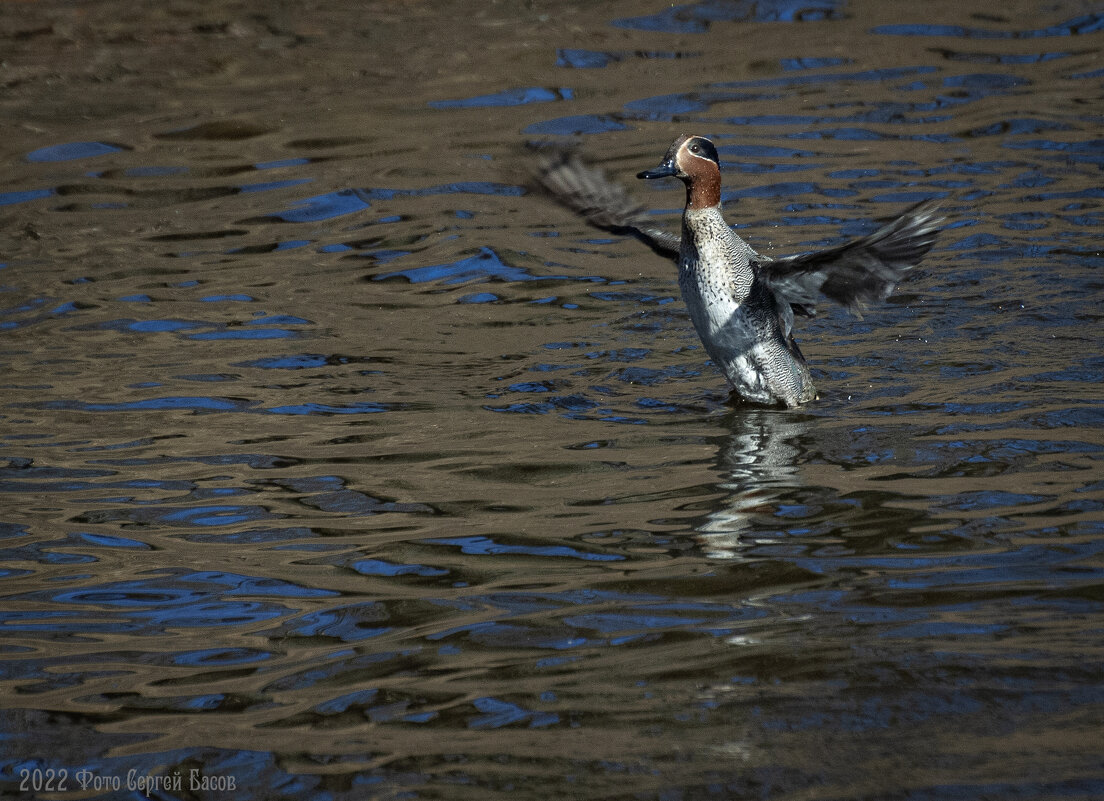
point(664, 170)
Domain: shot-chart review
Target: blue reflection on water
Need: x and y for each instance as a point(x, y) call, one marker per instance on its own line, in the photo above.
point(381, 567)
point(346, 623)
point(878, 75)
point(43, 553)
point(237, 297)
point(216, 331)
point(298, 361)
point(507, 97)
point(161, 325)
point(331, 494)
point(596, 59)
point(485, 546)
point(268, 186)
point(245, 333)
point(1089, 23)
point(455, 188)
point(274, 165)
point(190, 403)
point(328, 408)
point(563, 626)
point(584, 59)
point(183, 584)
point(324, 207)
point(479, 297)
point(975, 569)
point(1091, 151)
point(498, 713)
point(8, 198)
point(698, 17)
point(212, 515)
point(811, 63)
point(622, 622)
point(220, 656)
point(73, 150)
point(483, 265)
point(108, 541)
point(180, 599)
point(337, 705)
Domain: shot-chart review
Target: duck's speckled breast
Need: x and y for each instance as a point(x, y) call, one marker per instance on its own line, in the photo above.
point(734, 313)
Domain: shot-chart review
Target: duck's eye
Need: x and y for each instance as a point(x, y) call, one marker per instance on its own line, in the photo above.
point(695, 148)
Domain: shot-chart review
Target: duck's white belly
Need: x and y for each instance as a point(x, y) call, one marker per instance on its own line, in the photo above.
point(735, 315)
point(728, 335)
point(744, 341)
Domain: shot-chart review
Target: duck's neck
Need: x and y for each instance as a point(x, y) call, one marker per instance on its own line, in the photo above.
point(704, 190)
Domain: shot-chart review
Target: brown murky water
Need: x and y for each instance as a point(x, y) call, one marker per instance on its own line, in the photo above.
point(339, 465)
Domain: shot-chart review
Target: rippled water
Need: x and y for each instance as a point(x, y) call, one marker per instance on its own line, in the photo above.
point(337, 464)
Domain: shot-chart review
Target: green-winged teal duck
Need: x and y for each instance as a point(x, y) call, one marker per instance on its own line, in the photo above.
point(741, 302)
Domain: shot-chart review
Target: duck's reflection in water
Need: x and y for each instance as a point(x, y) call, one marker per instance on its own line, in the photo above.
point(759, 465)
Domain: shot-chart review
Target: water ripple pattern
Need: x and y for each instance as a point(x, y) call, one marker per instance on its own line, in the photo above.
point(337, 463)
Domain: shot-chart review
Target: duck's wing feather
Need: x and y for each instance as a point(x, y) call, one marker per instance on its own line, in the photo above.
point(858, 272)
point(854, 274)
point(604, 204)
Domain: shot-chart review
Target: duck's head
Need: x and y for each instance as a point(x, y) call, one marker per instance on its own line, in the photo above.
point(693, 160)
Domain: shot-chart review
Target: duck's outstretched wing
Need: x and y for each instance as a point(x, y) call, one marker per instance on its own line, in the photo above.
point(858, 272)
point(853, 274)
point(589, 193)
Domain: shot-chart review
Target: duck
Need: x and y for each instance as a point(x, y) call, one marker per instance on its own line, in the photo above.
point(742, 303)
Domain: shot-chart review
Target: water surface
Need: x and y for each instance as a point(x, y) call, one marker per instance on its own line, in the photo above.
point(337, 464)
